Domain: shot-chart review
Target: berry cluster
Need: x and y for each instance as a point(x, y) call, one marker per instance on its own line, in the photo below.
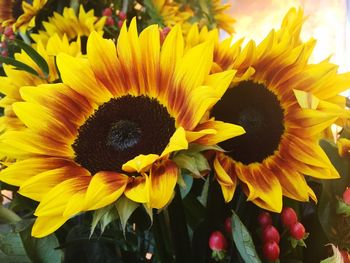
point(7, 35)
point(290, 220)
point(112, 18)
point(270, 237)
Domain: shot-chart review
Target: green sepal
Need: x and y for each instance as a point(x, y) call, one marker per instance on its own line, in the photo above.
point(103, 217)
point(125, 208)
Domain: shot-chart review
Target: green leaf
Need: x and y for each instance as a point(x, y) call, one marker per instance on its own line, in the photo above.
point(185, 184)
point(194, 210)
point(8, 216)
point(41, 250)
point(243, 240)
point(18, 65)
point(153, 13)
point(33, 54)
point(125, 208)
point(203, 198)
point(187, 162)
point(11, 248)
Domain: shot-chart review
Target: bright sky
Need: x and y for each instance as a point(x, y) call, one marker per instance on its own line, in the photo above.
point(327, 22)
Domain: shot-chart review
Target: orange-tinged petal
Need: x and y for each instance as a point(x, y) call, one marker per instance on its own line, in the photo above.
point(140, 163)
point(105, 188)
point(225, 174)
point(39, 185)
point(77, 74)
point(55, 202)
point(20, 171)
point(138, 189)
point(267, 188)
point(102, 57)
point(163, 178)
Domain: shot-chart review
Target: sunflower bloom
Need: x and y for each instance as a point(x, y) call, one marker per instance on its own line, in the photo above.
point(222, 20)
point(111, 127)
point(20, 14)
point(284, 103)
point(171, 13)
point(71, 25)
point(15, 79)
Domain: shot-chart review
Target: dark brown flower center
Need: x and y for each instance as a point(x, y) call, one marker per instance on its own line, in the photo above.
point(120, 130)
point(259, 112)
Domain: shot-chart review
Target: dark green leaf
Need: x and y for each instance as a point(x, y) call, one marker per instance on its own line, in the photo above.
point(11, 248)
point(243, 241)
point(41, 250)
point(186, 185)
point(18, 65)
point(37, 58)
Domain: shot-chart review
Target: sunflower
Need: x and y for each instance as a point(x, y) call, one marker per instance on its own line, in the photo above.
point(222, 20)
point(20, 14)
point(284, 104)
point(172, 13)
point(15, 79)
point(111, 127)
point(71, 25)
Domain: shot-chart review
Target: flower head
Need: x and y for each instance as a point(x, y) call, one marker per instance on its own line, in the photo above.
point(20, 14)
point(283, 103)
point(113, 124)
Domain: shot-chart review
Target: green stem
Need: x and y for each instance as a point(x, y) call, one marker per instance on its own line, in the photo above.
point(178, 226)
point(162, 238)
point(8, 216)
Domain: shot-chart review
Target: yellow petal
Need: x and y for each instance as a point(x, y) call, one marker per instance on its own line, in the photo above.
point(138, 189)
point(224, 131)
point(20, 171)
point(77, 74)
point(37, 186)
point(140, 163)
point(163, 178)
point(177, 142)
point(105, 188)
point(55, 202)
point(45, 225)
point(225, 175)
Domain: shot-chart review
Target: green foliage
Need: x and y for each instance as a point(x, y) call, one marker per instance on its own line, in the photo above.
point(43, 250)
point(243, 240)
point(336, 226)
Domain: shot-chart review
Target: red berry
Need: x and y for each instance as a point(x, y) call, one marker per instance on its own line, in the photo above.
point(107, 11)
point(110, 21)
point(346, 196)
point(270, 233)
point(3, 44)
point(217, 241)
point(288, 217)
point(122, 15)
point(8, 31)
point(228, 225)
point(297, 231)
point(4, 53)
point(264, 219)
point(271, 250)
point(120, 23)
